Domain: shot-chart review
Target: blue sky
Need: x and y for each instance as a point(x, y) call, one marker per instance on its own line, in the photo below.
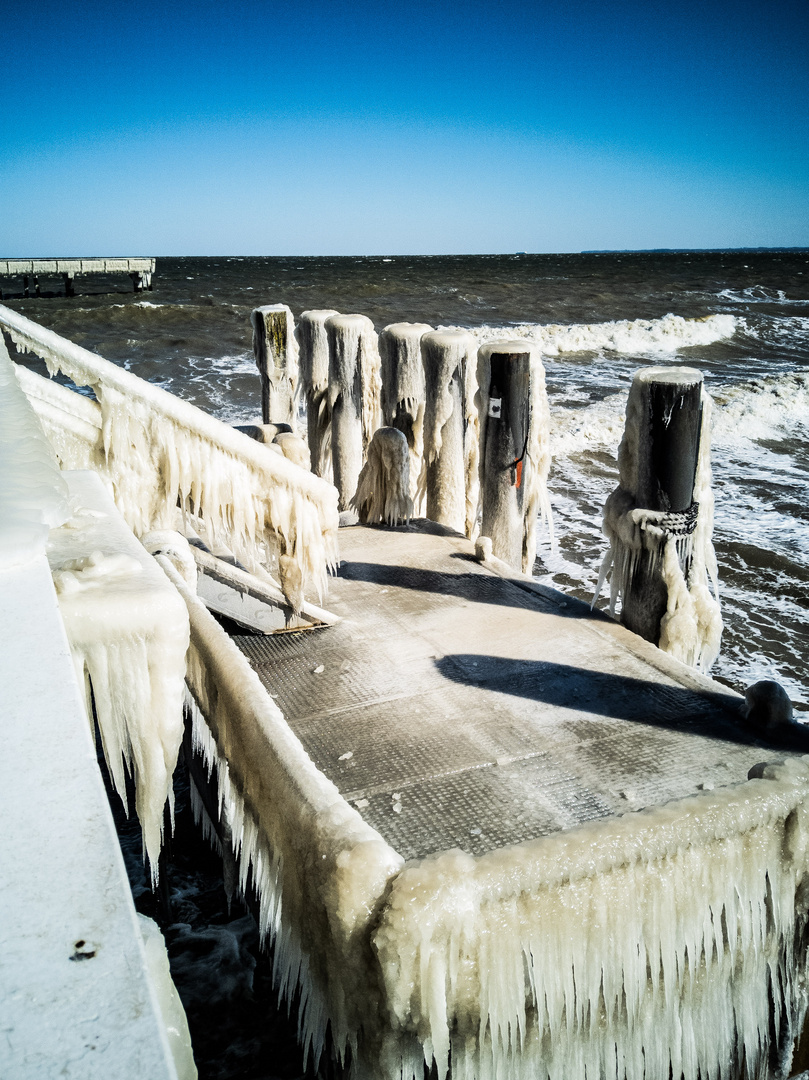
point(327, 128)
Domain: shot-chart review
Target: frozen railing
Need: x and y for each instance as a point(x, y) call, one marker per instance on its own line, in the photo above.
point(159, 452)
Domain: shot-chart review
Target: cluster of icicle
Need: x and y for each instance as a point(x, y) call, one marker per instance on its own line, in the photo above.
point(383, 489)
point(158, 450)
point(318, 870)
point(33, 495)
point(128, 634)
point(664, 943)
point(537, 457)
point(691, 629)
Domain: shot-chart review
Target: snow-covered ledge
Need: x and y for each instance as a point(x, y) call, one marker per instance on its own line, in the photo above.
point(76, 1000)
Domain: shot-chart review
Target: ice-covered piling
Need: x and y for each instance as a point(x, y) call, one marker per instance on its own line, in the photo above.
point(403, 388)
point(514, 448)
point(449, 476)
point(313, 381)
point(276, 353)
point(354, 386)
point(659, 519)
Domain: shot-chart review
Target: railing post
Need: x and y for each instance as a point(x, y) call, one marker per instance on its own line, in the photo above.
point(514, 448)
point(275, 351)
point(450, 468)
point(403, 389)
point(354, 386)
point(313, 379)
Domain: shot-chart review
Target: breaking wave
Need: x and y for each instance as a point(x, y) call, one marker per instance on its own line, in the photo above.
point(632, 337)
point(769, 408)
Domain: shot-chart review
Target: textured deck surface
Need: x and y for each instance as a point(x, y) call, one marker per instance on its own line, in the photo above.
point(459, 709)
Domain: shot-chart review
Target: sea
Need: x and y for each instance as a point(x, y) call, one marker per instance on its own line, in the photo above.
point(741, 317)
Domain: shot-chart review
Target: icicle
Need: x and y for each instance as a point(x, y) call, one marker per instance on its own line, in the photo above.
point(382, 494)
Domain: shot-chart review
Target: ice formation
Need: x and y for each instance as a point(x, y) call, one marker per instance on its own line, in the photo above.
point(449, 476)
point(313, 368)
point(33, 494)
point(640, 947)
point(318, 870)
point(691, 627)
point(529, 471)
point(158, 452)
point(403, 391)
point(170, 1008)
point(276, 353)
point(128, 634)
point(383, 490)
point(354, 388)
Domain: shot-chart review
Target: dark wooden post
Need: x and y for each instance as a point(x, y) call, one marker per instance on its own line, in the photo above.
point(658, 463)
point(68, 280)
point(275, 353)
point(506, 371)
point(447, 357)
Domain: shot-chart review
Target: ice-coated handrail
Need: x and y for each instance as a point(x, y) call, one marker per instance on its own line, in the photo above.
point(159, 451)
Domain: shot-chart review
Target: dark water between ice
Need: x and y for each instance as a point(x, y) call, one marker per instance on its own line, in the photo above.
point(599, 317)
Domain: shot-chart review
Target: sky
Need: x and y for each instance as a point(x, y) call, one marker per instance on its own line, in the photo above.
point(329, 128)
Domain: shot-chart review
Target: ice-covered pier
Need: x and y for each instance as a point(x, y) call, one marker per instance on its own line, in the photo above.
point(488, 831)
point(139, 269)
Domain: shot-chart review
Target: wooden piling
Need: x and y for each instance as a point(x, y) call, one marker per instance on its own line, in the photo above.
point(313, 379)
point(403, 389)
point(276, 359)
point(512, 408)
point(354, 384)
point(658, 460)
point(450, 429)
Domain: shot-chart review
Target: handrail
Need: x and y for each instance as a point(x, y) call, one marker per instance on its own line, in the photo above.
point(161, 452)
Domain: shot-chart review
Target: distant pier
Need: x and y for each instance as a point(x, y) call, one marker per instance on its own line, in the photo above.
point(139, 269)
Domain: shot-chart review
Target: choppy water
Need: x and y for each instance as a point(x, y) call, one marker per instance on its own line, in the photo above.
point(742, 317)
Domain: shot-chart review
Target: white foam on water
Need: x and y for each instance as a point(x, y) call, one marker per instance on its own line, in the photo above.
point(631, 337)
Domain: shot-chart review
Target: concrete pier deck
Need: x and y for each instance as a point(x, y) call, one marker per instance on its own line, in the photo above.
point(456, 708)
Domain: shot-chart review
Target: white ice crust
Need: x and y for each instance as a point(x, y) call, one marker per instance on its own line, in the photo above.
point(276, 351)
point(168, 1000)
point(313, 374)
point(156, 449)
point(33, 494)
point(128, 634)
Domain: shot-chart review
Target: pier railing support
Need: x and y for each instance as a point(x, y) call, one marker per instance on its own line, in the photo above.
point(313, 380)
point(450, 468)
point(354, 385)
point(275, 350)
point(659, 519)
point(403, 390)
point(514, 448)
